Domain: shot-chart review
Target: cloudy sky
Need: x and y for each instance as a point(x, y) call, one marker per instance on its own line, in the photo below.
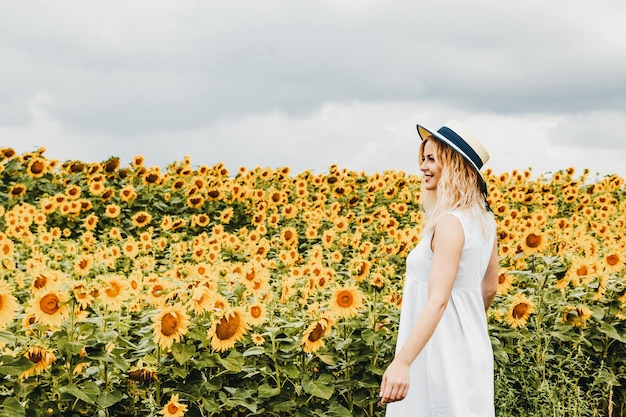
point(307, 84)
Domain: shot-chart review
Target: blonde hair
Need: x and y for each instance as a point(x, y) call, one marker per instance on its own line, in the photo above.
point(460, 187)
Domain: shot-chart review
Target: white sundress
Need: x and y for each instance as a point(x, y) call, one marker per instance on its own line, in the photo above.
point(453, 375)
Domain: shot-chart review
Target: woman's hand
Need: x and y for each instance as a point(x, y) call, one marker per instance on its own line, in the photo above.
point(395, 383)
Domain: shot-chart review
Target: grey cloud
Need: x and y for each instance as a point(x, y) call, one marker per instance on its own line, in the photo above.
point(133, 68)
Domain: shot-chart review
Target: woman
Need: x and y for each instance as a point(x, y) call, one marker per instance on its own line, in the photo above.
point(444, 361)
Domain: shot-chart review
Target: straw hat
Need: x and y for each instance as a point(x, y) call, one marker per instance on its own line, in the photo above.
point(459, 138)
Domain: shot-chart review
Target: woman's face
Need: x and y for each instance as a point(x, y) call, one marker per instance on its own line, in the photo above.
point(430, 167)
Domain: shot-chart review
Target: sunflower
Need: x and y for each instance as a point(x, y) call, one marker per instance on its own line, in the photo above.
point(201, 220)
point(152, 177)
point(141, 219)
point(201, 299)
point(36, 168)
point(258, 339)
point(173, 408)
point(581, 270)
point(289, 237)
point(82, 294)
point(8, 305)
point(138, 161)
point(360, 268)
point(17, 190)
point(96, 187)
point(44, 278)
point(107, 194)
point(112, 211)
point(227, 329)
point(49, 307)
point(328, 238)
point(613, 261)
point(534, 241)
point(7, 248)
point(520, 310)
point(91, 222)
point(214, 194)
point(170, 324)
point(257, 314)
point(313, 340)
point(73, 192)
point(377, 280)
point(41, 357)
point(128, 194)
point(577, 316)
point(346, 301)
point(7, 153)
point(195, 201)
point(227, 215)
point(114, 291)
point(505, 282)
point(83, 264)
point(130, 248)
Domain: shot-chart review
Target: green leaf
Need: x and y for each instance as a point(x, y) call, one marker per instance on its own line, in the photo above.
point(8, 338)
point(267, 391)
point(291, 370)
point(328, 359)
point(178, 371)
point(211, 405)
point(121, 363)
point(234, 362)
point(611, 331)
point(12, 366)
point(322, 387)
point(107, 399)
point(12, 408)
point(338, 410)
point(88, 393)
point(182, 353)
point(253, 351)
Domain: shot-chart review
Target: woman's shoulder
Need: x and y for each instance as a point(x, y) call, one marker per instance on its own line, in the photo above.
point(472, 219)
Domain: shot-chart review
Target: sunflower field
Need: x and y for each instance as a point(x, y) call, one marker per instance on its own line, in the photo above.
point(195, 291)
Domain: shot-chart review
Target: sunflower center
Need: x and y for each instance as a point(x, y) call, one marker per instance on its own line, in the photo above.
point(37, 167)
point(533, 241)
point(113, 290)
point(345, 299)
point(152, 178)
point(49, 303)
point(612, 260)
point(255, 312)
point(317, 333)
point(251, 275)
point(17, 190)
point(501, 278)
point(40, 282)
point(172, 408)
point(582, 271)
point(169, 324)
point(227, 327)
point(520, 310)
point(35, 357)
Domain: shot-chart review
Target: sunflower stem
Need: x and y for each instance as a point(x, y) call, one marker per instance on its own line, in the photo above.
point(158, 382)
point(276, 367)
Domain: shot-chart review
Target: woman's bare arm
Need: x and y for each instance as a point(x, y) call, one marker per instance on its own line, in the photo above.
point(447, 246)
point(489, 285)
